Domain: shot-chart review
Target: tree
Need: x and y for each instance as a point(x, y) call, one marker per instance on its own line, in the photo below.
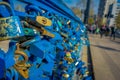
point(90, 20)
point(91, 14)
point(91, 17)
point(99, 22)
point(117, 20)
point(77, 11)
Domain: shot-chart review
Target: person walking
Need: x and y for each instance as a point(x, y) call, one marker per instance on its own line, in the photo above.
point(97, 30)
point(107, 31)
point(102, 30)
point(113, 30)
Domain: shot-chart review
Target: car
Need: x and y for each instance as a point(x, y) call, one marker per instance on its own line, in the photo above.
point(118, 33)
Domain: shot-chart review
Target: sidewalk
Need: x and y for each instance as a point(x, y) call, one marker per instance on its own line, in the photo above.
point(4, 45)
point(105, 55)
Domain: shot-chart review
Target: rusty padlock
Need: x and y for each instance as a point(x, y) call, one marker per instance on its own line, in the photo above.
point(10, 27)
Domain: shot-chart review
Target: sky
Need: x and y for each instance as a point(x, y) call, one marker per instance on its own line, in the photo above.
point(72, 3)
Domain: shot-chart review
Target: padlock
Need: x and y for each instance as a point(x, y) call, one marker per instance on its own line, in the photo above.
point(30, 32)
point(59, 23)
point(64, 34)
point(21, 65)
point(31, 41)
point(11, 74)
point(10, 27)
point(19, 52)
point(43, 21)
point(68, 57)
point(2, 68)
point(33, 24)
point(65, 75)
point(68, 22)
point(42, 49)
point(40, 19)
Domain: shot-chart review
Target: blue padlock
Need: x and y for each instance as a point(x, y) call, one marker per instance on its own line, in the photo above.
point(33, 9)
point(42, 49)
point(10, 27)
point(2, 68)
point(11, 74)
point(9, 56)
point(31, 41)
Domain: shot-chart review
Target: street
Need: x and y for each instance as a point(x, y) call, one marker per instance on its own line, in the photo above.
point(105, 57)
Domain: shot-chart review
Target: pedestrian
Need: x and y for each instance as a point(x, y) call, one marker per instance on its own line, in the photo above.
point(91, 28)
point(107, 31)
point(97, 30)
point(94, 28)
point(102, 30)
point(113, 30)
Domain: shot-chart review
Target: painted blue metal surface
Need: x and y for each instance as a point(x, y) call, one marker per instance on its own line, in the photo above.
point(41, 57)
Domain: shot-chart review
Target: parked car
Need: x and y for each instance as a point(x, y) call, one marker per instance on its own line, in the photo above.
point(118, 33)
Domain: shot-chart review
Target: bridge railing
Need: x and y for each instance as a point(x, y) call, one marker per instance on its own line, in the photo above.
point(46, 41)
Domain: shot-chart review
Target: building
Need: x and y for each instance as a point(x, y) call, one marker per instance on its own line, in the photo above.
point(117, 8)
point(86, 14)
point(106, 11)
point(101, 8)
point(111, 14)
point(115, 11)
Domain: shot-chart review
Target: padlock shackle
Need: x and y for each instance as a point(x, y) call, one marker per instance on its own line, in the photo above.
point(19, 52)
point(27, 8)
point(8, 6)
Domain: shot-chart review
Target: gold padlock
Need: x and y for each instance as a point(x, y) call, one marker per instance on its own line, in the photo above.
point(68, 54)
point(21, 66)
point(69, 59)
point(39, 28)
point(19, 52)
point(65, 75)
point(43, 21)
point(22, 70)
point(45, 32)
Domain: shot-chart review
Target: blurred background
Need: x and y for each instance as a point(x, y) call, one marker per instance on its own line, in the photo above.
point(96, 12)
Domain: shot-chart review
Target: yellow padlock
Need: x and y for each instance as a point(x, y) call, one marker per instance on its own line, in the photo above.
point(45, 32)
point(43, 21)
point(22, 70)
point(69, 59)
point(65, 75)
point(21, 65)
point(68, 54)
point(18, 52)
